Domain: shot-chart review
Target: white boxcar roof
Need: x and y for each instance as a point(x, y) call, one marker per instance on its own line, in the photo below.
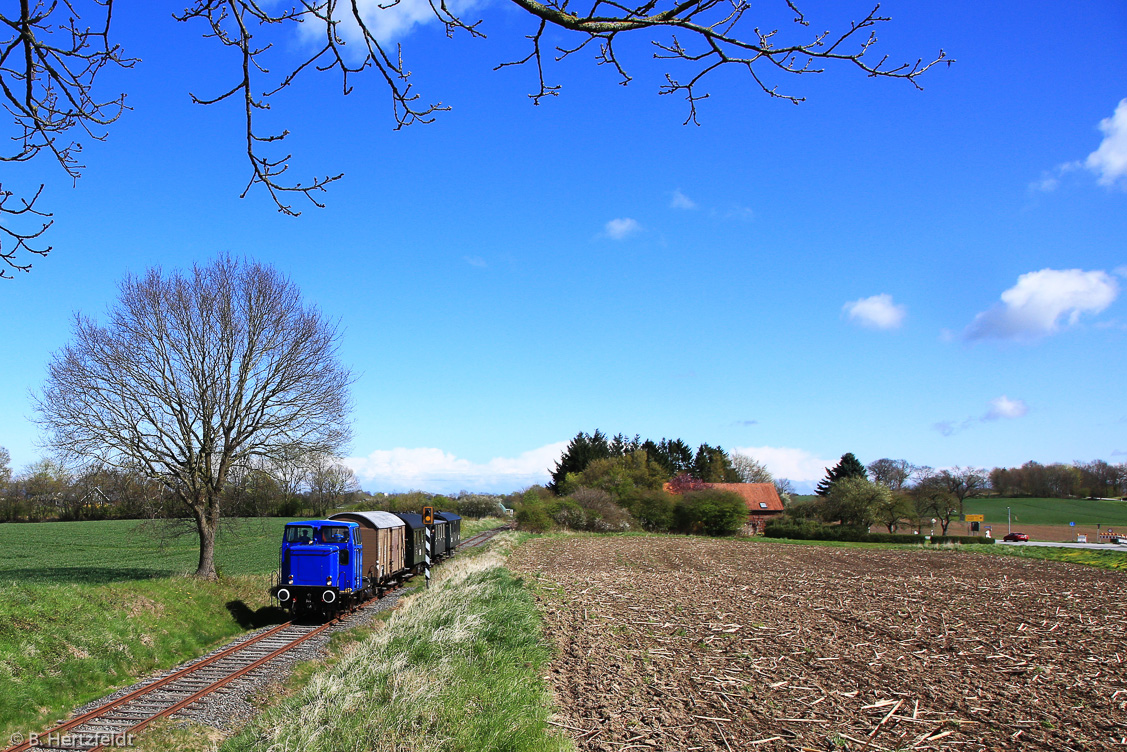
point(375, 519)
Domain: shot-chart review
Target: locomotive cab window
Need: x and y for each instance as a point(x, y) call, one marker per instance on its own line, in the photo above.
point(299, 534)
point(334, 534)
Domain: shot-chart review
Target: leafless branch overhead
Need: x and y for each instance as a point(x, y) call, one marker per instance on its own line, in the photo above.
point(49, 61)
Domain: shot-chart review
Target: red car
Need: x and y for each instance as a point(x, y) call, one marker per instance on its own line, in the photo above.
point(1015, 537)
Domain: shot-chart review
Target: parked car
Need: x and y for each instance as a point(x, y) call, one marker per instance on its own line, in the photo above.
point(1015, 537)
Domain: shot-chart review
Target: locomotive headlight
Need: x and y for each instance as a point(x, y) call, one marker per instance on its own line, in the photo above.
point(329, 580)
point(291, 580)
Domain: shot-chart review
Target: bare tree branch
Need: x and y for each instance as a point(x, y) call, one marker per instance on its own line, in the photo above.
point(49, 62)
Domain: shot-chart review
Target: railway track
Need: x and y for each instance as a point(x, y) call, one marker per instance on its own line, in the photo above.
point(112, 724)
point(482, 537)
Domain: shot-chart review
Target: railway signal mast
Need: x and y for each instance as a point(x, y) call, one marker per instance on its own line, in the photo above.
point(428, 520)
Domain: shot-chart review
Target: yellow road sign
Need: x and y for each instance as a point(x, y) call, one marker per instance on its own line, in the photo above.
point(974, 518)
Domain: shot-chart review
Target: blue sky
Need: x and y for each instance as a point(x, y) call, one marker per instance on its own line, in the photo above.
point(936, 276)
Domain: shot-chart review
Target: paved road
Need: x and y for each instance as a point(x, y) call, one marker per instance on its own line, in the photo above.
point(1097, 546)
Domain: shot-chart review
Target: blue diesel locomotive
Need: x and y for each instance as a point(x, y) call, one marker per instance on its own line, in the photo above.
point(326, 566)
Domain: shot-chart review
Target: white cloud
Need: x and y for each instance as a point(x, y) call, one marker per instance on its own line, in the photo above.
point(1035, 306)
point(1004, 407)
point(1109, 161)
point(1046, 184)
point(387, 21)
point(429, 469)
point(477, 261)
point(877, 312)
point(999, 408)
point(623, 227)
point(681, 201)
point(796, 465)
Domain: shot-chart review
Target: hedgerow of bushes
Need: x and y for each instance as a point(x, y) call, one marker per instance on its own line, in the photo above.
point(707, 511)
point(937, 539)
point(810, 530)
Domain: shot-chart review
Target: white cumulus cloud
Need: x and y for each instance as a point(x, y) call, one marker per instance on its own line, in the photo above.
point(1109, 161)
point(876, 312)
point(1004, 407)
point(623, 227)
point(681, 201)
point(430, 469)
point(1037, 304)
point(796, 465)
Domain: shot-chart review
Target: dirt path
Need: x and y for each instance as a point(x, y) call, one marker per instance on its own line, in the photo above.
point(691, 643)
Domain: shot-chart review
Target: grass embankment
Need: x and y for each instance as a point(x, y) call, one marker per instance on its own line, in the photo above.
point(92, 606)
point(457, 667)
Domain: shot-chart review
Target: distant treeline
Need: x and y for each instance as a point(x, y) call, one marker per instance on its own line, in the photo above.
point(1078, 480)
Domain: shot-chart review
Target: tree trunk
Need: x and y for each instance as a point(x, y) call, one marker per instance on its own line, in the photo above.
point(207, 522)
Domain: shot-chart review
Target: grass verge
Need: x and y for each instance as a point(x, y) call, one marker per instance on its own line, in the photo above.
point(457, 667)
point(64, 645)
point(1085, 556)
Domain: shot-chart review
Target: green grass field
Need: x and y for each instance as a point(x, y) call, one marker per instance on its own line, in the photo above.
point(122, 550)
point(1050, 511)
point(1046, 511)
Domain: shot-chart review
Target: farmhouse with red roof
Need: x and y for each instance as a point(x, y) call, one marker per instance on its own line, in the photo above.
point(762, 500)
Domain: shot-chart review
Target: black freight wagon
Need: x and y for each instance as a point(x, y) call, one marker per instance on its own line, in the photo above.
point(453, 529)
point(415, 553)
point(439, 549)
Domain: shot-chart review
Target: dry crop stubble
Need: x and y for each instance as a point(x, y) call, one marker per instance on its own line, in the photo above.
point(689, 643)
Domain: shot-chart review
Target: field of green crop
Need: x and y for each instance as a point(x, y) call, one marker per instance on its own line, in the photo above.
point(1047, 511)
point(1050, 511)
point(122, 550)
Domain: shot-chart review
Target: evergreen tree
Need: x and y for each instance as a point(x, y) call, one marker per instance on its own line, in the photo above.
point(581, 452)
point(620, 446)
point(672, 454)
point(847, 467)
point(713, 465)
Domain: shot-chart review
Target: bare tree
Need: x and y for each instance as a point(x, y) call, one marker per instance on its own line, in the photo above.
point(891, 473)
point(750, 469)
point(50, 60)
point(330, 483)
point(193, 374)
point(5, 470)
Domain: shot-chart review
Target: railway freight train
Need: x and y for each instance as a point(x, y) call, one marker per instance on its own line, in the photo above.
point(327, 566)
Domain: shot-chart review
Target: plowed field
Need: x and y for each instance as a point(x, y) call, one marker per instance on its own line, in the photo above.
point(698, 644)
